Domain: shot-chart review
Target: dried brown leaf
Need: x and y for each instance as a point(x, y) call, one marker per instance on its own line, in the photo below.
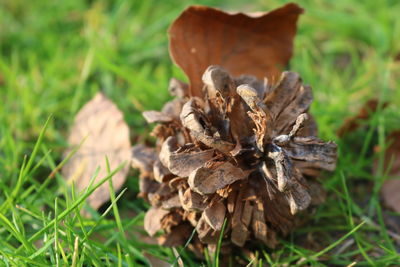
point(107, 135)
point(256, 45)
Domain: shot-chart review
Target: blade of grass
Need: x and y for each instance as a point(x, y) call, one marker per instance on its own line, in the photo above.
point(218, 249)
point(76, 204)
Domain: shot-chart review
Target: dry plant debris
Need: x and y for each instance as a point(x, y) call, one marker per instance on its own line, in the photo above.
point(261, 43)
point(237, 143)
point(101, 132)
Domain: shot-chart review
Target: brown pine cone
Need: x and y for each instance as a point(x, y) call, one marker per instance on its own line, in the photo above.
point(245, 152)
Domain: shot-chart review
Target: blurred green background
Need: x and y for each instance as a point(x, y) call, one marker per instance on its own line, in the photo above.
point(55, 55)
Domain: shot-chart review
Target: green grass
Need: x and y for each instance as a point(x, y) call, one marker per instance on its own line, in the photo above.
point(56, 54)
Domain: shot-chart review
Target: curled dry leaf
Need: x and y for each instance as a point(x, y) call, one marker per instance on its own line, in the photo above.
point(256, 45)
point(101, 127)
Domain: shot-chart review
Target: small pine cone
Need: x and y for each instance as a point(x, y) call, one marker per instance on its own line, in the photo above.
point(246, 153)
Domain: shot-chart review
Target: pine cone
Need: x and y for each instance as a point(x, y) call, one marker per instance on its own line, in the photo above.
point(244, 152)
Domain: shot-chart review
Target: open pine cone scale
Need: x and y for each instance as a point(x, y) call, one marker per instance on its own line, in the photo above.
point(245, 152)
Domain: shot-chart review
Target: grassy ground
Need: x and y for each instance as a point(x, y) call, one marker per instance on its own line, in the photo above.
point(56, 54)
